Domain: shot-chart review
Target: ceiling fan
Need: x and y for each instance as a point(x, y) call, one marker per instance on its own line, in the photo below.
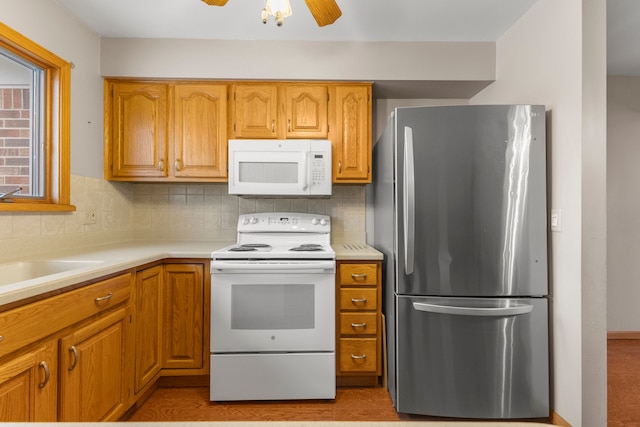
point(325, 12)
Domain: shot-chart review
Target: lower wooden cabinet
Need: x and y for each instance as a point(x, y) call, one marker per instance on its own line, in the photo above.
point(359, 322)
point(29, 384)
point(89, 354)
point(148, 326)
point(182, 319)
point(94, 385)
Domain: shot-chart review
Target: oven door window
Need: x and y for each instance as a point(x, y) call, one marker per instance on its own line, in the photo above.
point(278, 307)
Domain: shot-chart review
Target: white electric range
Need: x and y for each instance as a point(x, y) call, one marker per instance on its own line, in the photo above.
point(273, 310)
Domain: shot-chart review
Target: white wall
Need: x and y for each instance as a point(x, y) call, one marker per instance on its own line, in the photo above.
point(623, 202)
point(540, 60)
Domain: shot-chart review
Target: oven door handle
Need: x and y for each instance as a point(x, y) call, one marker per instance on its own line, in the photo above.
point(273, 267)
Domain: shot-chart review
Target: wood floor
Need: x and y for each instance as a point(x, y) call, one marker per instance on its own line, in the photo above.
point(374, 403)
point(623, 382)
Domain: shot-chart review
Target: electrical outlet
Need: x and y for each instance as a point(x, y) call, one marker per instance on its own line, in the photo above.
point(90, 216)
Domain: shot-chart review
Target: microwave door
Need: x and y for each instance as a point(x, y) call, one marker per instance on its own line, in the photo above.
point(269, 173)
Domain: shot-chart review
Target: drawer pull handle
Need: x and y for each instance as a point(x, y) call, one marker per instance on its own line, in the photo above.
point(358, 300)
point(74, 352)
point(273, 125)
point(362, 356)
point(356, 276)
point(359, 325)
point(1, 338)
point(47, 374)
point(161, 165)
point(104, 298)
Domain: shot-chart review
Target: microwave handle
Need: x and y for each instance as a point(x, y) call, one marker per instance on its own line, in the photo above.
point(305, 165)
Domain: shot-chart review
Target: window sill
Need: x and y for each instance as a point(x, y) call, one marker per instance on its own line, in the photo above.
point(35, 207)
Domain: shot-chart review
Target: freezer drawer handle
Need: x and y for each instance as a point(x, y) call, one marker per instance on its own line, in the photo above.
point(473, 311)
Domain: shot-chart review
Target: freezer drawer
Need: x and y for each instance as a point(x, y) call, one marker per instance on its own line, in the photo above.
point(472, 358)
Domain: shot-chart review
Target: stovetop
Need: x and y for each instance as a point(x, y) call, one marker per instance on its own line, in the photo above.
point(277, 235)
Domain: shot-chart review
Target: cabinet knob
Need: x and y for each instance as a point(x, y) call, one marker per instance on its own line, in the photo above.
point(161, 165)
point(339, 166)
point(273, 125)
point(177, 165)
point(289, 125)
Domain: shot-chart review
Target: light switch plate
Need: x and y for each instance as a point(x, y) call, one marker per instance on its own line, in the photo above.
point(556, 220)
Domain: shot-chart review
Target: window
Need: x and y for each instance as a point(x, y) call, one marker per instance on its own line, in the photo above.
point(34, 126)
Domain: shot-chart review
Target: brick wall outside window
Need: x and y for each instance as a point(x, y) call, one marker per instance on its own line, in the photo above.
point(15, 146)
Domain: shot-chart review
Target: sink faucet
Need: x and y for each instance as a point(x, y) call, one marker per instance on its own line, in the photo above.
point(6, 197)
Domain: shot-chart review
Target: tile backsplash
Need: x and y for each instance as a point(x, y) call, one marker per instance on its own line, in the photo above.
point(127, 211)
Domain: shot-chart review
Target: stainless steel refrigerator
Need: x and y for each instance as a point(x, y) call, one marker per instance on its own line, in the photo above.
point(459, 207)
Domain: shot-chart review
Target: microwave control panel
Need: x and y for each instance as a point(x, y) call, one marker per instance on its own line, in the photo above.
point(319, 168)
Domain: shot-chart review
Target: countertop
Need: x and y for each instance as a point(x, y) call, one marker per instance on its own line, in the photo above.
point(356, 251)
point(104, 260)
point(109, 259)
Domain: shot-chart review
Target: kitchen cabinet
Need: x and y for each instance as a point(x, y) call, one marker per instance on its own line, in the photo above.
point(359, 322)
point(183, 317)
point(28, 385)
point(94, 385)
point(279, 111)
point(147, 318)
point(200, 131)
point(136, 139)
point(161, 131)
point(350, 110)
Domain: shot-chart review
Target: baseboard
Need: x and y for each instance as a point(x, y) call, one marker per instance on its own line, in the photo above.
point(557, 420)
point(623, 335)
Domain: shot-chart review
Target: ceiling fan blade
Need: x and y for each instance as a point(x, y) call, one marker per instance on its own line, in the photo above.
point(325, 12)
point(216, 2)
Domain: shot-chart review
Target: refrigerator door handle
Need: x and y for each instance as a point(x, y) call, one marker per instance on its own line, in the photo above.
point(408, 197)
point(474, 311)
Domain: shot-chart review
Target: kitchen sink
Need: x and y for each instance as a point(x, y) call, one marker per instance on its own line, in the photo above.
point(26, 270)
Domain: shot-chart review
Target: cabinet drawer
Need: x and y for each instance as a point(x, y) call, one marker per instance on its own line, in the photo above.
point(358, 355)
point(358, 274)
point(358, 323)
point(358, 299)
point(29, 323)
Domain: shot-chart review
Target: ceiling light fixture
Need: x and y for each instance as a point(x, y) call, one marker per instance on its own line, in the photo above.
point(279, 9)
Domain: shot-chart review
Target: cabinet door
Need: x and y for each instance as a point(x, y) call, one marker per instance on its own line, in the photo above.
point(138, 130)
point(255, 111)
point(148, 327)
point(306, 109)
point(200, 131)
point(28, 386)
point(183, 322)
point(351, 135)
point(93, 384)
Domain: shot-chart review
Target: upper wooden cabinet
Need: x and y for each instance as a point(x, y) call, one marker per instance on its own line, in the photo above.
point(351, 133)
point(278, 111)
point(156, 131)
point(136, 130)
point(200, 132)
point(178, 130)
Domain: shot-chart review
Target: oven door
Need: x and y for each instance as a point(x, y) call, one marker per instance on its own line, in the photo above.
point(272, 306)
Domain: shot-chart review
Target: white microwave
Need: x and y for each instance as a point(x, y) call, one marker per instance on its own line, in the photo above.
point(271, 167)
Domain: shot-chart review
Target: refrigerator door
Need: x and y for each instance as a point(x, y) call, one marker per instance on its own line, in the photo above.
point(472, 358)
point(471, 201)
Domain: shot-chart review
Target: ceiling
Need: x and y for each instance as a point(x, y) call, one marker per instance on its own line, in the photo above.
point(362, 20)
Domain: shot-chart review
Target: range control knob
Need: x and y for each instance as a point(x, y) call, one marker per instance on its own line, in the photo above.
point(315, 221)
point(254, 220)
point(323, 221)
point(245, 221)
